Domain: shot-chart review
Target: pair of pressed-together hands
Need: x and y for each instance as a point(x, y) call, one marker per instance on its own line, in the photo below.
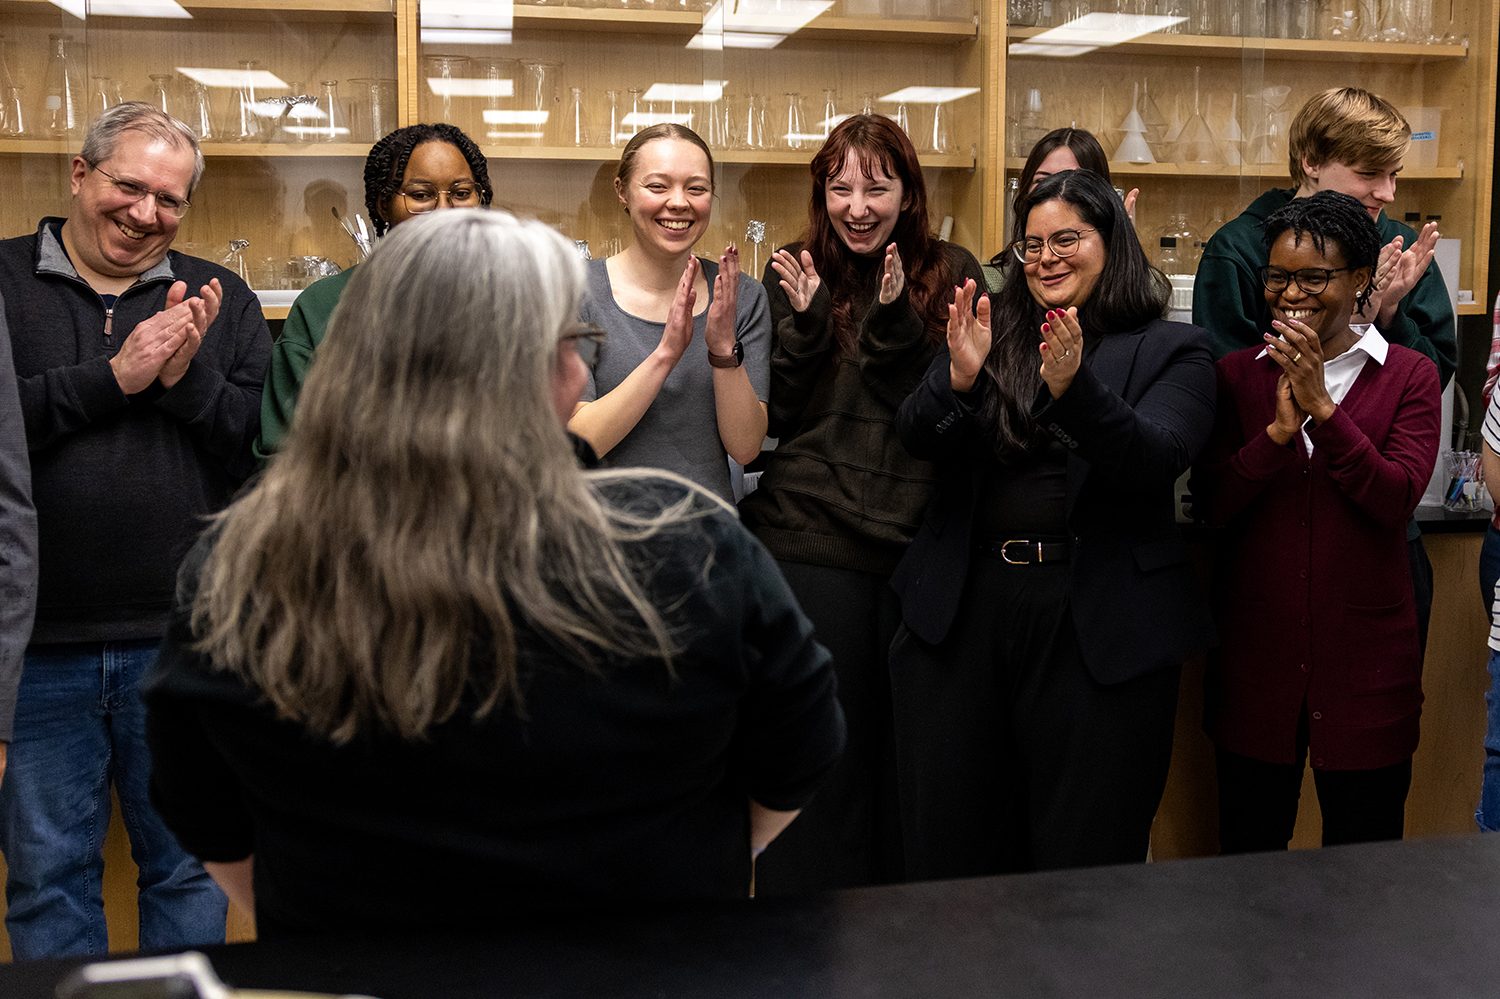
point(1301, 391)
point(162, 347)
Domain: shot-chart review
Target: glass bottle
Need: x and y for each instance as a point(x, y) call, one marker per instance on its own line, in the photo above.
point(578, 125)
point(161, 92)
point(200, 116)
point(62, 91)
point(1021, 13)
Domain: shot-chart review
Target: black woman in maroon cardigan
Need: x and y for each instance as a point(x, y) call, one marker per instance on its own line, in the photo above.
point(1047, 601)
point(1325, 441)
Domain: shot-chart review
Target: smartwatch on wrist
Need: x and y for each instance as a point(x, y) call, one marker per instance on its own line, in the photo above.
point(733, 359)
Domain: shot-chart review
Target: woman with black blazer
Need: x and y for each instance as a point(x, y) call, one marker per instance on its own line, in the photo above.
point(1047, 600)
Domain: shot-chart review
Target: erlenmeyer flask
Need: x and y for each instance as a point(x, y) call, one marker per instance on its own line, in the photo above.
point(753, 133)
point(13, 120)
point(330, 123)
point(248, 124)
point(578, 125)
point(902, 117)
point(101, 96)
point(938, 138)
point(62, 91)
point(200, 116)
point(632, 121)
point(161, 93)
point(612, 116)
point(794, 135)
point(716, 126)
point(830, 112)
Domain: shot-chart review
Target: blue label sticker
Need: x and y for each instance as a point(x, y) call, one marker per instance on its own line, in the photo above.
point(1423, 136)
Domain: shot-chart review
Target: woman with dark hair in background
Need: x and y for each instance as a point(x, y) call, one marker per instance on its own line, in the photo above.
point(1048, 603)
point(1326, 439)
point(432, 670)
point(859, 307)
point(680, 381)
point(412, 171)
point(1068, 149)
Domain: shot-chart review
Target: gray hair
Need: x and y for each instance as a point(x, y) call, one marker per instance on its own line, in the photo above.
point(440, 511)
point(138, 116)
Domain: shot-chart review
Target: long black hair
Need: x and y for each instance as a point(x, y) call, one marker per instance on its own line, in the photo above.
point(1129, 294)
point(386, 165)
point(1336, 217)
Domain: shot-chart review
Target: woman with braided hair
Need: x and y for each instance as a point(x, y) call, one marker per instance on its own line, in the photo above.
point(1325, 440)
point(412, 171)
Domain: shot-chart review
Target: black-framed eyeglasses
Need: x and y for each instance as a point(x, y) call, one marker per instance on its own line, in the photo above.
point(587, 339)
point(169, 203)
point(1312, 280)
point(1062, 243)
point(421, 198)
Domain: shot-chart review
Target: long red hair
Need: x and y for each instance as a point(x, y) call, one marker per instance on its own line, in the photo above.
point(879, 146)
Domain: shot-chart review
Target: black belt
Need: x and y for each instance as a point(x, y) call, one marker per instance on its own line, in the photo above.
point(1027, 551)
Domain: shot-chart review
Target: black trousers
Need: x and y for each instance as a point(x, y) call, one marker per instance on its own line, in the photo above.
point(1421, 585)
point(1011, 756)
point(1258, 802)
point(849, 835)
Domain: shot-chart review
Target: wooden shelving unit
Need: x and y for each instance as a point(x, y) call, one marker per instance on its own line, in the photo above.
point(1263, 171)
point(308, 10)
point(1223, 47)
point(688, 23)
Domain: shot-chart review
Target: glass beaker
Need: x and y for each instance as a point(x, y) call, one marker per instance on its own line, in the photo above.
point(579, 133)
point(161, 93)
point(540, 95)
point(62, 90)
point(440, 72)
point(375, 107)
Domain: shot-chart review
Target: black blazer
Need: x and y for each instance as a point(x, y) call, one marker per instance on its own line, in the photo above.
point(1138, 412)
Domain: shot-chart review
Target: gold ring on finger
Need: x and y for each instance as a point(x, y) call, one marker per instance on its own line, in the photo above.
point(1297, 357)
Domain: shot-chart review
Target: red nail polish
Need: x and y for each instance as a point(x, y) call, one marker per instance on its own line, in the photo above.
point(1046, 328)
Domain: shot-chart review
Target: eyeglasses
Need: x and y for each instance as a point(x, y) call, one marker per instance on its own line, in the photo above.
point(1311, 280)
point(1062, 243)
point(420, 200)
point(169, 203)
point(587, 339)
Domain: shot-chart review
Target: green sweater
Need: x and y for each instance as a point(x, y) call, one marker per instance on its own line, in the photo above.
point(304, 329)
point(1229, 302)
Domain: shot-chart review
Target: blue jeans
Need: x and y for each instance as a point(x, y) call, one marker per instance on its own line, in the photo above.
point(80, 725)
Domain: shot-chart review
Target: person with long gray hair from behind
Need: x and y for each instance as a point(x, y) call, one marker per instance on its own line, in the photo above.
point(430, 643)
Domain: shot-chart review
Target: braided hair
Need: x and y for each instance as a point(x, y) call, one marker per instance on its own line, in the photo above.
point(1331, 216)
point(386, 165)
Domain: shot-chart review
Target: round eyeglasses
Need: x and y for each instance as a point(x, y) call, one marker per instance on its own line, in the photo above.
point(1062, 243)
point(1312, 280)
point(586, 338)
point(169, 204)
point(420, 200)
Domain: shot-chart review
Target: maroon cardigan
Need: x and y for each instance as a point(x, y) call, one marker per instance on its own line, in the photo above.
point(1315, 604)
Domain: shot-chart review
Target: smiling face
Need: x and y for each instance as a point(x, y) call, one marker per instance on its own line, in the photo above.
point(668, 195)
point(1061, 282)
point(1057, 161)
point(1373, 186)
point(438, 165)
point(864, 210)
point(1328, 311)
point(112, 235)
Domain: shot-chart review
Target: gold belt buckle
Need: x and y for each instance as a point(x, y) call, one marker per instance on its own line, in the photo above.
point(1005, 552)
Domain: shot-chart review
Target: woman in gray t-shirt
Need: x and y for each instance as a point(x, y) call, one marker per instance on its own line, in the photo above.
point(680, 381)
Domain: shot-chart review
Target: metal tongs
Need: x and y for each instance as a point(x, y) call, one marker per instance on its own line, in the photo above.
point(359, 232)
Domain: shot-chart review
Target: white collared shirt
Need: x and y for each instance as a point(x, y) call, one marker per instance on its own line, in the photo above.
point(1340, 373)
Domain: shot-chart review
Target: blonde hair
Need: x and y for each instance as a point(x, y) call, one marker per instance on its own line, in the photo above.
point(1349, 126)
point(428, 496)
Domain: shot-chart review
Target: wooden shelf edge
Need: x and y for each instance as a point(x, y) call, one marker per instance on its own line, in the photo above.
point(1264, 171)
point(276, 311)
point(689, 23)
point(726, 157)
point(211, 150)
point(232, 8)
point(1228, 46)
point(1473, 309)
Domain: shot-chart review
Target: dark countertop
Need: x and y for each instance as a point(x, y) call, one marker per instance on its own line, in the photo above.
point(1408, 919)
point(1436, 520)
